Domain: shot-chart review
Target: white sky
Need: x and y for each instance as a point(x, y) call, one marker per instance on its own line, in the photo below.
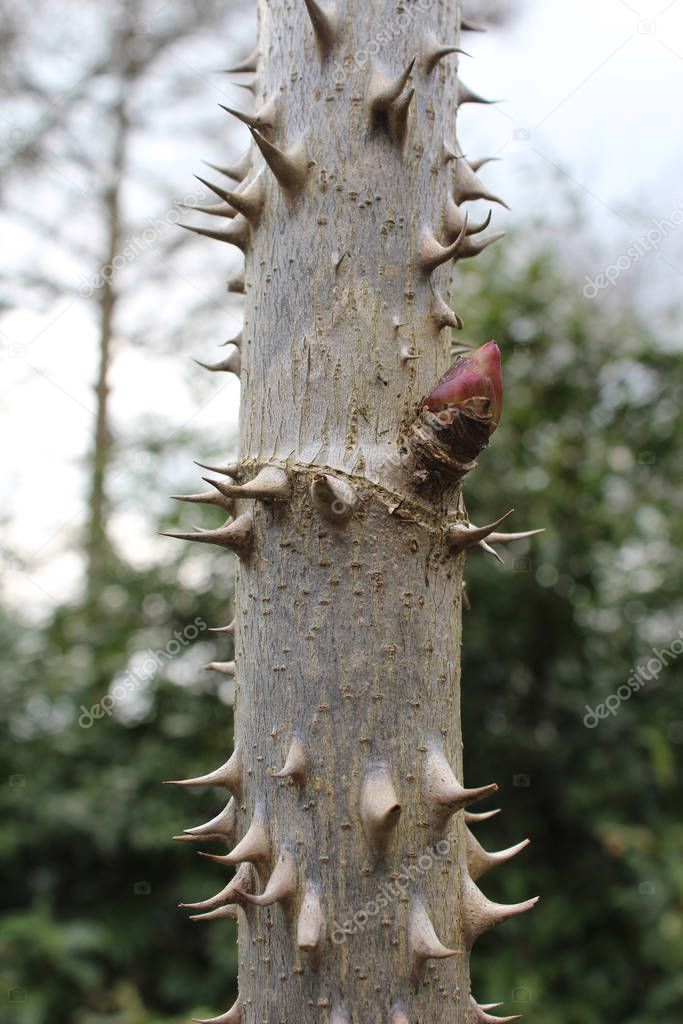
point(591, 88)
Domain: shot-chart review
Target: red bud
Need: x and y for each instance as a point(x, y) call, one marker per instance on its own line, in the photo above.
point(457, 418)
point(473, 384)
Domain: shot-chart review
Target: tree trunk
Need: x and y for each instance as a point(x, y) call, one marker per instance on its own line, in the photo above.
point(355, 901)
point(97, 541)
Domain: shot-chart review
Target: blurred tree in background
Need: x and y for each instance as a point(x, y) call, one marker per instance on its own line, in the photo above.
point(588, 449)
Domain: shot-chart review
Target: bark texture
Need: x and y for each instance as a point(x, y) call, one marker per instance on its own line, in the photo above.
point(353, 896)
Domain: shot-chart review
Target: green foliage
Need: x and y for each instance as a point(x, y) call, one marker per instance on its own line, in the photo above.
point(586, 448)
point(94, 934)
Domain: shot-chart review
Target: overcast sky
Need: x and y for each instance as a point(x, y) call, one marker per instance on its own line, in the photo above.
point(592, 89)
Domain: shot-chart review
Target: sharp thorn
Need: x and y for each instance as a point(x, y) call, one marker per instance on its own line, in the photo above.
point(325, 25)
point(237, 171)
point(230, 469)
point(270, 484)
point(228, 776)
point(379, 808)
point(290, 167)
point(462, 536)
point(249, 64)
point(264, 119)
point(423, 942)
point(236, 233)
point(282, 884)
point(444, 795)
point(237, 537)
point(433, 254)
point(480, 914)
point(383, 91)
point(296, 763)
point(435, 52)
point(231, 364)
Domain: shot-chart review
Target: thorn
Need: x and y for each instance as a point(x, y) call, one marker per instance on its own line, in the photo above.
point(232, 1016)
point(237, 537)
point(455, 218)
point(264, 119)
point(227, 668)
point(231, 364)
point(490, 551)
point(229, 911)
point(236, 233)
point(479, 861)
point(253, 847)
point(435, 52)
point(269, 484)
point(290, 167)
point(231, 469)
point(461, 536)
point(325, 25)
point(237, 284)
point(510, 538)
point(207, 498)
point(479, 914)
point(250, 86)
point(469, 187)
point(448, 154)
point(237, 341)
point(476, 1014)
point(234, 891)
point(237, 171)
point(221, 827)
point(443, 793)
point(469, 26)
point(473, 246)
point(398, 116)
point(228, 776)
point(433, 254)
point(423, 942)
point(249, 202)
point(213, 209)
point(474, 819)
point(443, 315)
point(230, 630)
point(334, 499)
point(379, 808)
point(406, 353)
point(248, 64)
point(467, 95)
point(311, 926)
point(384, 91)
point(477, 165)
point(296, 763)
point(282, 884)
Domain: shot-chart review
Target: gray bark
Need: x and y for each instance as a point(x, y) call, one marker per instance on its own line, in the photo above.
point(348, 593)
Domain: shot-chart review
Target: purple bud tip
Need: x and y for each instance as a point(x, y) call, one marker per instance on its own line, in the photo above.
point(474, 385)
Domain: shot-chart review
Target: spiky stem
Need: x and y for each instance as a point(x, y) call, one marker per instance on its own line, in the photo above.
point(351, 530)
